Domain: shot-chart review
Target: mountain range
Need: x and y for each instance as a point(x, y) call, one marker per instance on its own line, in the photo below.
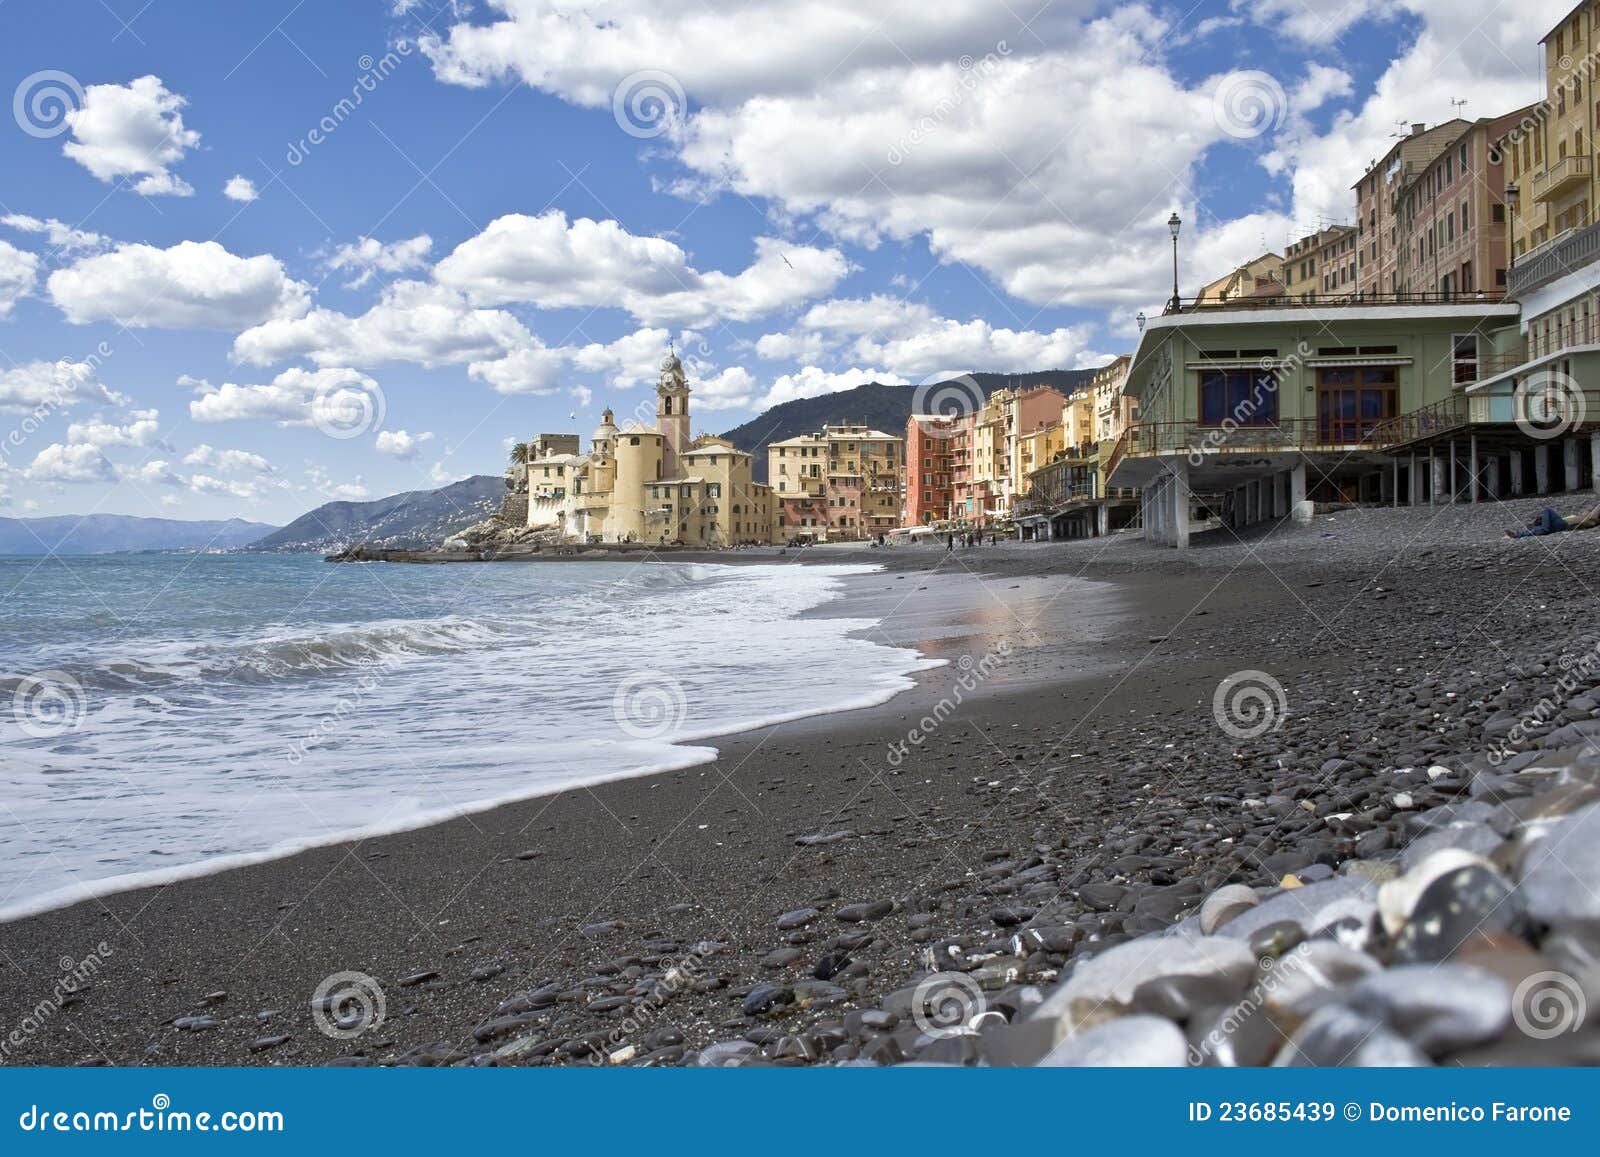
point(415, 518)
point(108, 533)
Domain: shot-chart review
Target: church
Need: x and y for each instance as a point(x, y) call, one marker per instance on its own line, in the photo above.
point(652, 484)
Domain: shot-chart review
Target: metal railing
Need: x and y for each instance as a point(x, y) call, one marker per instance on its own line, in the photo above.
point(1560, 255)
point(1487, 296)
point(1157, 438)
point(1436, 418)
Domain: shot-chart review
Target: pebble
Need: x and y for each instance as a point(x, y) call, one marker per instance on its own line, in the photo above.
point(861, 913)
point(1224, 904)
point(1128, 1042)
point(1335, 1036)
point(1439, 1008)
point(1561, 874)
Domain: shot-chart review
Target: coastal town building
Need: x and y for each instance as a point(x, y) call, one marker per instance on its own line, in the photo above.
point(1322, 265)
point(930, 469)
point(986, 450)
point(1261, 278)
point(1453, 230)
point(845, 481)
point(1061, 492)
point(1250, 414)
point(1382, 246)
point(649, 483)
point(1551, 151)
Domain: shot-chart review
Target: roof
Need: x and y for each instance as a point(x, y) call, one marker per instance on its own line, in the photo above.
point(719, 448)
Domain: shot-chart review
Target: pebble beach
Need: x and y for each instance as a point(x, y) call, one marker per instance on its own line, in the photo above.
point(1323, 796)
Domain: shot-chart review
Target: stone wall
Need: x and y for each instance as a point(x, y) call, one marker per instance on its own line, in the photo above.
point(514, 508)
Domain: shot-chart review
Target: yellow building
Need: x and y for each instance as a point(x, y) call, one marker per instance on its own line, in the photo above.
point(845, 481)
point(652, 484)
point(1550, 154)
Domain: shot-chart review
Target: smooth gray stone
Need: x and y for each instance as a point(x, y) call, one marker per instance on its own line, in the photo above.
point(1301, 905)
point(1478, 838)
point(1129, 1042)
point(1453, 910)
point(1224, 904)
point(1336, 1036)
point(1560, 882)
point(1308, 977)
point(1440, 1008)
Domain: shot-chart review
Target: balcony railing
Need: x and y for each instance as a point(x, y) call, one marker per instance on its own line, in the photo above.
point(1561, 177)
point(1156, 438)
point(1561, 255)
point(1446, 414)
point(1488, 295)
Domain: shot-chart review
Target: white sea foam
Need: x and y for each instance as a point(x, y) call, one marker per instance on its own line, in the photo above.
point(245, 729)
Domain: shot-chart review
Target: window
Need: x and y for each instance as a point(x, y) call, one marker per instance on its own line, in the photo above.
point(1464, 354)
point(1244, 397)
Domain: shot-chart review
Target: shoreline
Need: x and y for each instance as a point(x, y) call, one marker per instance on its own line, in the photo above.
point(1098, 745)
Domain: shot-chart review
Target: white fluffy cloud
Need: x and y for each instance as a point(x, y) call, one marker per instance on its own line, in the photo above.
point(812, 382)
point(63, 238)
point(229, 461)
point(134, 130)
point(18, 271)
point(240, 189)
point(909, 337)
point(549, 261)
point(73, 463)
point(324, 484)
point(142, 429)
point(367, 257)
point(287, 400)
point(413, 321)
point(400, 444)
point(53, 384)
point(191, 285)
point(966, 129)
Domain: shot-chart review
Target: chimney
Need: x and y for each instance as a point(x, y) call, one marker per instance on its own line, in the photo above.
point(1418, 129)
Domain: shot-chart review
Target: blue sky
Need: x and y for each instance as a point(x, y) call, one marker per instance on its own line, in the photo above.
point(224, 292)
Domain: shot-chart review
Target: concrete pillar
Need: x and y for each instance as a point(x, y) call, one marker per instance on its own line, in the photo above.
point(1413, 483)
point(1454, 485)
point(1472, 469)
point(1569, 462)
point(1436, 479)
point(1180, 505)
point(1394, 482)
point(1541, 469)
point(1594, 462)
point(1102, 520)
point(1298, 505)
point(1491, 477)
point(1516, 473)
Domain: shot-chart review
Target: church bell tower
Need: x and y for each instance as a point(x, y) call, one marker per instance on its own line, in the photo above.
point(672, 414)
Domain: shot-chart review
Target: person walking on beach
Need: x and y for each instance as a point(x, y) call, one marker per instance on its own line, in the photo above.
point(950, 543)
point(1548, 521)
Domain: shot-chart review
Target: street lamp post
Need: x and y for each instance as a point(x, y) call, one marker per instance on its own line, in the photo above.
point(1174, 224)
point(1513, 196)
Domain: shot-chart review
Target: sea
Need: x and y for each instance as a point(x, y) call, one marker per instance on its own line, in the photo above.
point(164, 716)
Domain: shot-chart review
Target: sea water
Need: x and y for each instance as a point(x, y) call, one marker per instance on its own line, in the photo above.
point(163, 716)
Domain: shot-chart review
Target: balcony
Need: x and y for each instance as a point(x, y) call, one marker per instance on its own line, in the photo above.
point(1289, 434)
point(1490, 294)
point(1563, 255)
point(1561, 178)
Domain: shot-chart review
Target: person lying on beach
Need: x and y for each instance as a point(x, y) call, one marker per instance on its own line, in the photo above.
point(1547, 521)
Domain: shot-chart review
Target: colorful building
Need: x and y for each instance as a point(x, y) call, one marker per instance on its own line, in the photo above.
point(845, 481)
point(930, 469)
